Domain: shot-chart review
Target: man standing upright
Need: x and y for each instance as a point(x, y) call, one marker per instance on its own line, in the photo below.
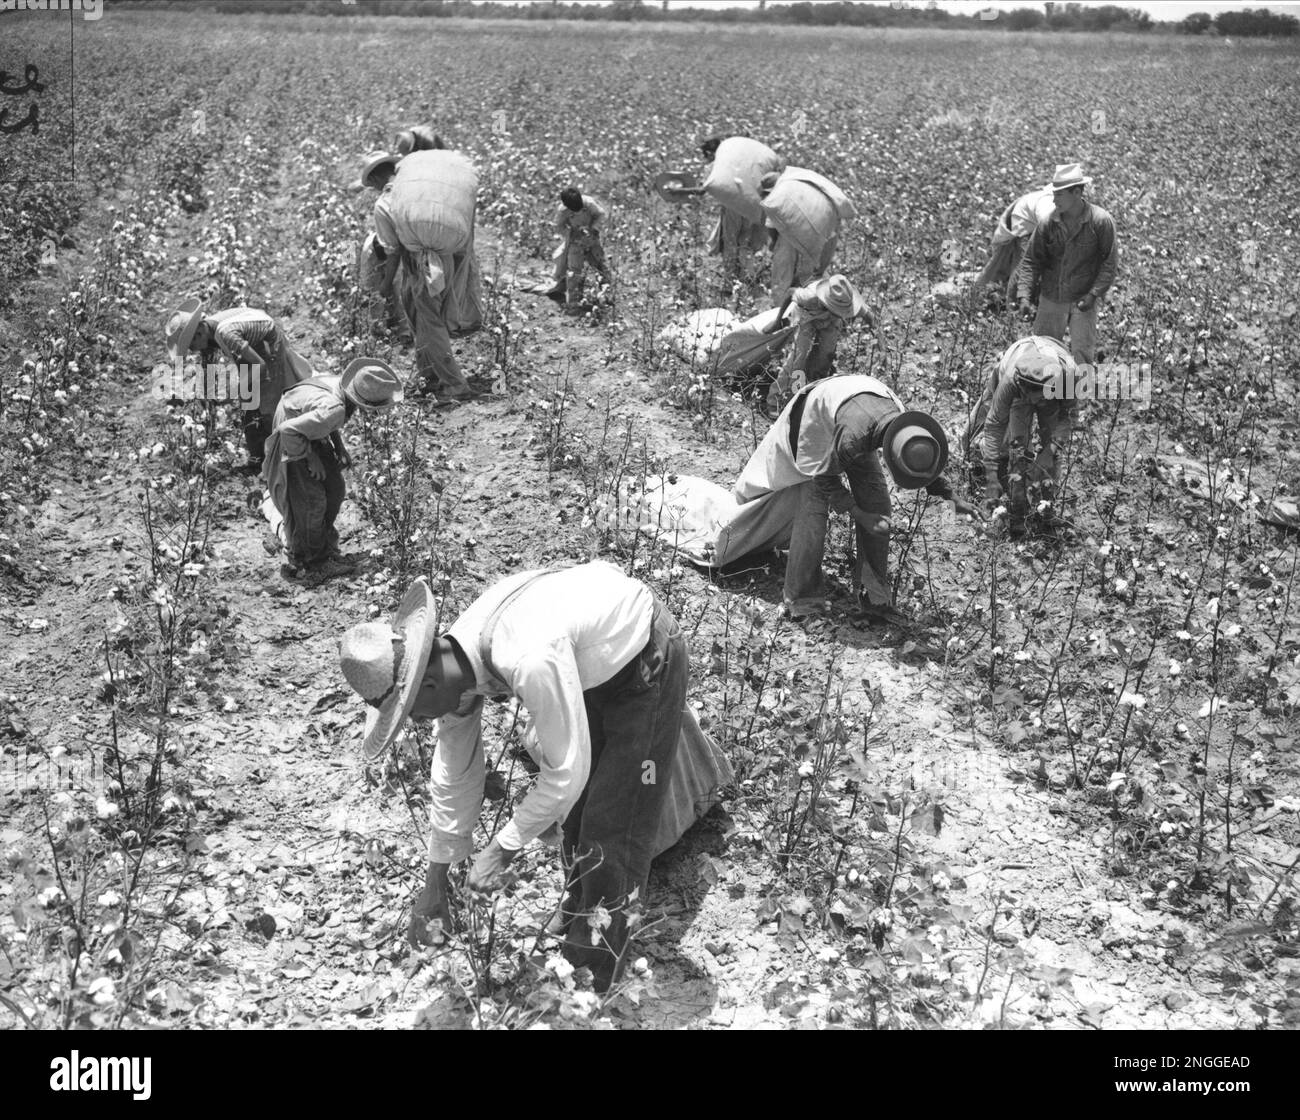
point(1071, 262)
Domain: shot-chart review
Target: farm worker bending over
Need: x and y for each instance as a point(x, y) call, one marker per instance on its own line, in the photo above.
point(305, 459)
point(579, 222)
point(424, 221)
point(1071, 263)
point(738, 164)
point(821, 312)
point(803, 211)
point(1031, 380)
point(1011, 238)
point(837, 426)
point(384, 312)
point(248, 337)
point(601, 668)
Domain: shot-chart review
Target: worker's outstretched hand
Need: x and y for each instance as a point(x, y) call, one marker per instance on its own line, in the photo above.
point(491, 869)
point(1026, 308)
point(315, 467)
point(963, 507)
point(431, 914)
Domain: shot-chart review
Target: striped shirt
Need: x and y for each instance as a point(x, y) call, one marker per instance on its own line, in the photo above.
point(237, 327)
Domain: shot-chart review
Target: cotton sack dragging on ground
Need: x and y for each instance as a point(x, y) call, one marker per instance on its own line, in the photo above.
point(699, 521)
point(699, 774)
point(755, 341)
point(682, 512)
point(696, 338)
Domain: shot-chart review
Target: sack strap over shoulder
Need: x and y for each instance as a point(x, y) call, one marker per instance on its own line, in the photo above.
point(485, 635)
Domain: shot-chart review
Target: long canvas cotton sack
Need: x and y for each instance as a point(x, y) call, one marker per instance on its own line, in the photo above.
point(803, 213)
point(432, 201)
point(738, 165)
point(370, 269)
point(843, 207)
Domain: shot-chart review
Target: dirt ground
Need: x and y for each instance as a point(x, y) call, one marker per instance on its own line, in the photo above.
point(287, 892)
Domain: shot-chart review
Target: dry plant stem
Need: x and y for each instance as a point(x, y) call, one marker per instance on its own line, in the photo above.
point(853, 806)
point(1209, 722)
point(1227, 810)
point(1277, 886)
point(993, 622)
point(898, 850)
point(988, 954)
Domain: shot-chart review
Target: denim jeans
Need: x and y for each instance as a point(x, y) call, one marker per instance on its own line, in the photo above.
point(577, 256)
point(1054, 319)
point(434, 357)
point(314, 506)
point(803, 571)
point(609, 836)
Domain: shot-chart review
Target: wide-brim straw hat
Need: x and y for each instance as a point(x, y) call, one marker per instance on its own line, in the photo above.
point(371, 383)
point(181, 326)
point(370, 163)
point(1068, 175)
point(385, 664)
point(840, 297)
point(668, 184)
point(916, 449)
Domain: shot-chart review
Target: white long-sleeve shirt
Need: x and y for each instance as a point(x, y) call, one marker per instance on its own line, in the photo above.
point(566, 632)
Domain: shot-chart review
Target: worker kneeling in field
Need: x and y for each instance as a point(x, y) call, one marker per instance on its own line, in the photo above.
point(1028, 383)
point(305, 459)
point(246, 337)
point(838, 426)
point(601, 668)
point(822, 311)
point(579, 222)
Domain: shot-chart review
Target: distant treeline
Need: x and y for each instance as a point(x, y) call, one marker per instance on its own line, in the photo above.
point(906, 13)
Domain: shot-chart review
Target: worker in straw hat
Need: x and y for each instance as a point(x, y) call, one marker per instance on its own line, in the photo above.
point(1070, 263)
point(835, 429)
point(305, 460)
point(248, 338)
point(600, 666)
point(1034, 380)
point(822, 310)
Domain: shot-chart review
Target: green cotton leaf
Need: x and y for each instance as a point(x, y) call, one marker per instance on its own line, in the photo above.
point(915, 949)
point(1008, 696)
point(855, 910)
point(927, 819)
point(1048, 975)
